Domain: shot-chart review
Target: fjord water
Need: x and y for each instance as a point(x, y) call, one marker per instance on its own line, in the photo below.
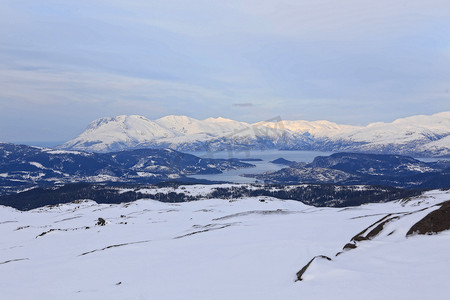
point(260, 166)
point(264, 165)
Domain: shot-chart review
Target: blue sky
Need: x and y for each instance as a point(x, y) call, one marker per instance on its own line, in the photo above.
point(66, 63)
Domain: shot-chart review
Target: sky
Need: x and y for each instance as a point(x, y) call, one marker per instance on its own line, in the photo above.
point(65, 63)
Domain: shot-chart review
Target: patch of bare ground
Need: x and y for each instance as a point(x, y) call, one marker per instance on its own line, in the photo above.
point(6, 222)
point(22, 227)
point(67, 219)
point(12, 260)
point(115, 246)
point(209, 227)
point(62, 229)
point(259, 212)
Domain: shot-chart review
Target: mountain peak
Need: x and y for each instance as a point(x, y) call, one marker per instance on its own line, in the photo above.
point(175, 118)
point(117, 119)
point(117, 133)
point(219, 119)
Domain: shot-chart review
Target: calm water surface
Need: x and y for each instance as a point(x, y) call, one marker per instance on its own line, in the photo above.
point(260, 166)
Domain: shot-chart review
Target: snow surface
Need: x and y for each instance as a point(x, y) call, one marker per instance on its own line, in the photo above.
point(320, 128)
point(37, 165)
point(52, 151)
point(441, 146)
point(129, 130)
point(217, 249)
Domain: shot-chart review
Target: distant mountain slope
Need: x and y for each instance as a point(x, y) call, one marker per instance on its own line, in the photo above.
point(118, 133)
point(373, 164)
point(321, 128)
point(24, 166)
point(362, 168)
point(177, 132)
point(416, 135)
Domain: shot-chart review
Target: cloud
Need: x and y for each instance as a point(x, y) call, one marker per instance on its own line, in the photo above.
point(346, 61)
point(246, 104)
point(49, 87)
point(311, 19)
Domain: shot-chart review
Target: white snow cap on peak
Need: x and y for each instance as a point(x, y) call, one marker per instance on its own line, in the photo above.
point(219, 119)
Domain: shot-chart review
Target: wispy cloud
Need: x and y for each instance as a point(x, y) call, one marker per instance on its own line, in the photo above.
point(48, 87)
point(245, 104)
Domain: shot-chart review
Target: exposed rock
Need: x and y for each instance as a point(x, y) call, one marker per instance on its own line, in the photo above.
point(303, 270)
point(349, 246)
point(435, 222)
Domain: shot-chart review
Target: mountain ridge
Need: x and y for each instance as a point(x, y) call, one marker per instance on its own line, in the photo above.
point(420, 135)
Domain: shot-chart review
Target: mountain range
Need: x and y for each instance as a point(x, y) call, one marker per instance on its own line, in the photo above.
point(23, 167)
point(420, 135)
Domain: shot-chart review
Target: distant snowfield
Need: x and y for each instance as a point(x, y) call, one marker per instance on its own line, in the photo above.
point(217, 249)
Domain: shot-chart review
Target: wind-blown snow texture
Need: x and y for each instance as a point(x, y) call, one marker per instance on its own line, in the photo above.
point(249, 248)
point(417, 135)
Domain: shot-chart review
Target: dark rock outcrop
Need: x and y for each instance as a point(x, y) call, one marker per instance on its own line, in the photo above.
point(435, 222)
point(303, 270)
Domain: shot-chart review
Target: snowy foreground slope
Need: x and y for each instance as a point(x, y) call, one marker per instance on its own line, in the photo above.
point(216, 249)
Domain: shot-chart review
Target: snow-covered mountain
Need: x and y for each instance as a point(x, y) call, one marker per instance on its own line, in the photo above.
point(320, 128)
point(416, 134)
point(423, 135)
point(248, 248)
point(177, 132)
point(117, 133)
